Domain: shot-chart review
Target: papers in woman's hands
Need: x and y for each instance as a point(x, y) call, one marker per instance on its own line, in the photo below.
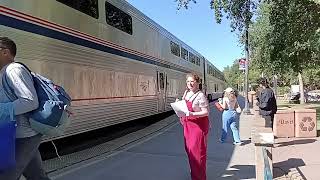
point(180, 108)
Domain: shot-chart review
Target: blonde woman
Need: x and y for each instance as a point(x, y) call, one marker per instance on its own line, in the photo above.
point(229, 116)
point(196, 127)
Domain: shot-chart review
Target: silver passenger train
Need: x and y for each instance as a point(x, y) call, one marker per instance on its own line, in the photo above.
point(116, 63)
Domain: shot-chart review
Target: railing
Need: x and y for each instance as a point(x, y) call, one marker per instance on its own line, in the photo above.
point(267, 169)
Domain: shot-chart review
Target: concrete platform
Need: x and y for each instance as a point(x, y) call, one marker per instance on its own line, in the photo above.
point(297, 158)
point(162, 157)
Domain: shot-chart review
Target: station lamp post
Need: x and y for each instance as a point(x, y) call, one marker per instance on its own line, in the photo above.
point(247, 20)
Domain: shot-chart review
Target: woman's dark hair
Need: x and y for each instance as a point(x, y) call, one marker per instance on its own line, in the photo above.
point(263, 81)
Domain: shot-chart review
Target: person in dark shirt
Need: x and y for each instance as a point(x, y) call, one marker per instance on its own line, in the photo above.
point(266, 102)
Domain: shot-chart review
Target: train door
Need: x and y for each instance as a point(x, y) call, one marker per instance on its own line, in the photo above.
point(162, 90)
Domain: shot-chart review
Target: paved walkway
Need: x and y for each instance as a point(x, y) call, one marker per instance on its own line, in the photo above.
point(162, 157)
point(297, 158)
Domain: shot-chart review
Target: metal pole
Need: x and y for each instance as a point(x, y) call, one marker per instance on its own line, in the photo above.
point(246, 107)
point(204, 76)
point(244, 82)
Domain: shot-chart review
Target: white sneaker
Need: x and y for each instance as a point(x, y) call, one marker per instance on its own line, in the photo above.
point(237, 143)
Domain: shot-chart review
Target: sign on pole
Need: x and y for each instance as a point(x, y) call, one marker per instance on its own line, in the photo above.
point(242, 64)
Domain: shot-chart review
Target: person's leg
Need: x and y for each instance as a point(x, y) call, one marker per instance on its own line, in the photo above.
point(225, 122)
point(197, 152)
point(268, 121)
point(34, 170)
point(234, 129)
point(25, 149)
point(272, 118)
point(186, 136)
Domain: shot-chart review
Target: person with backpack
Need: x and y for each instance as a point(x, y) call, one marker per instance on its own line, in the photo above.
point(20, 81)
point(266, 102)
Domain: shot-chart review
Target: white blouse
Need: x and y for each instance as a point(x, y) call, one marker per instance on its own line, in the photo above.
point(199, 100)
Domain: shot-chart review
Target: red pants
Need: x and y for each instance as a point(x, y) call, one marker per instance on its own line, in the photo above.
point(195, 138)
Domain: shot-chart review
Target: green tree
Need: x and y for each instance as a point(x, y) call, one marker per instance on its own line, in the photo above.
point(233, 75)
point(239, 12)
point(286, 37)
point(260, 44)
point(296, 30)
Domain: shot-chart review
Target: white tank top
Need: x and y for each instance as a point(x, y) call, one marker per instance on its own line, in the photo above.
point(230, 103)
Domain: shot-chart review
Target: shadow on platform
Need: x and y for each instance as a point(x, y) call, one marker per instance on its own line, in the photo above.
point(295, 142)
point(282, 168)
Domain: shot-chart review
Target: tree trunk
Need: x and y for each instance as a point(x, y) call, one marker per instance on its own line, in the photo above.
point(301, 89)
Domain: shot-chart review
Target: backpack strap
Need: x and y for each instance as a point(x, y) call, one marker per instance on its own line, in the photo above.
point(25, 66)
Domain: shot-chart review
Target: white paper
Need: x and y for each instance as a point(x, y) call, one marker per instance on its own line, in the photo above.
point(180, 108)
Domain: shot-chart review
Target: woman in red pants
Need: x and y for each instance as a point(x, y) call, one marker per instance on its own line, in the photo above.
point(196, 127)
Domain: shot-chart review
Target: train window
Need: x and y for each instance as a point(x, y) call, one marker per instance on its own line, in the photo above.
point(198, 61)
point(161, 80)
point(89, 7)
point(192, 58)
point(210, 70)
point(118, 19)
point(184, 53)
point(175, 49)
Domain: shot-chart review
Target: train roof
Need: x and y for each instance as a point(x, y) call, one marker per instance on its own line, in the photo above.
point(139, 15)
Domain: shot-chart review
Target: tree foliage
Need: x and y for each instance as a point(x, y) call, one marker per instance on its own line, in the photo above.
point(184, 3)
point(239, 12)
point(286, 39)
point(233, 75)
point(295, 24)
point(286, 35)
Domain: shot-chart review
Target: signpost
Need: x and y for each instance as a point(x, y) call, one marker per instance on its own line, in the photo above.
point(242, 64)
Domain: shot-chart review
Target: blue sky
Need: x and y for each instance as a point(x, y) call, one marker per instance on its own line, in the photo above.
point(196, 27)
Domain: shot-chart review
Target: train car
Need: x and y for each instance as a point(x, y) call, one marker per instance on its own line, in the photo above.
point(215, 81)
point(116, 63)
